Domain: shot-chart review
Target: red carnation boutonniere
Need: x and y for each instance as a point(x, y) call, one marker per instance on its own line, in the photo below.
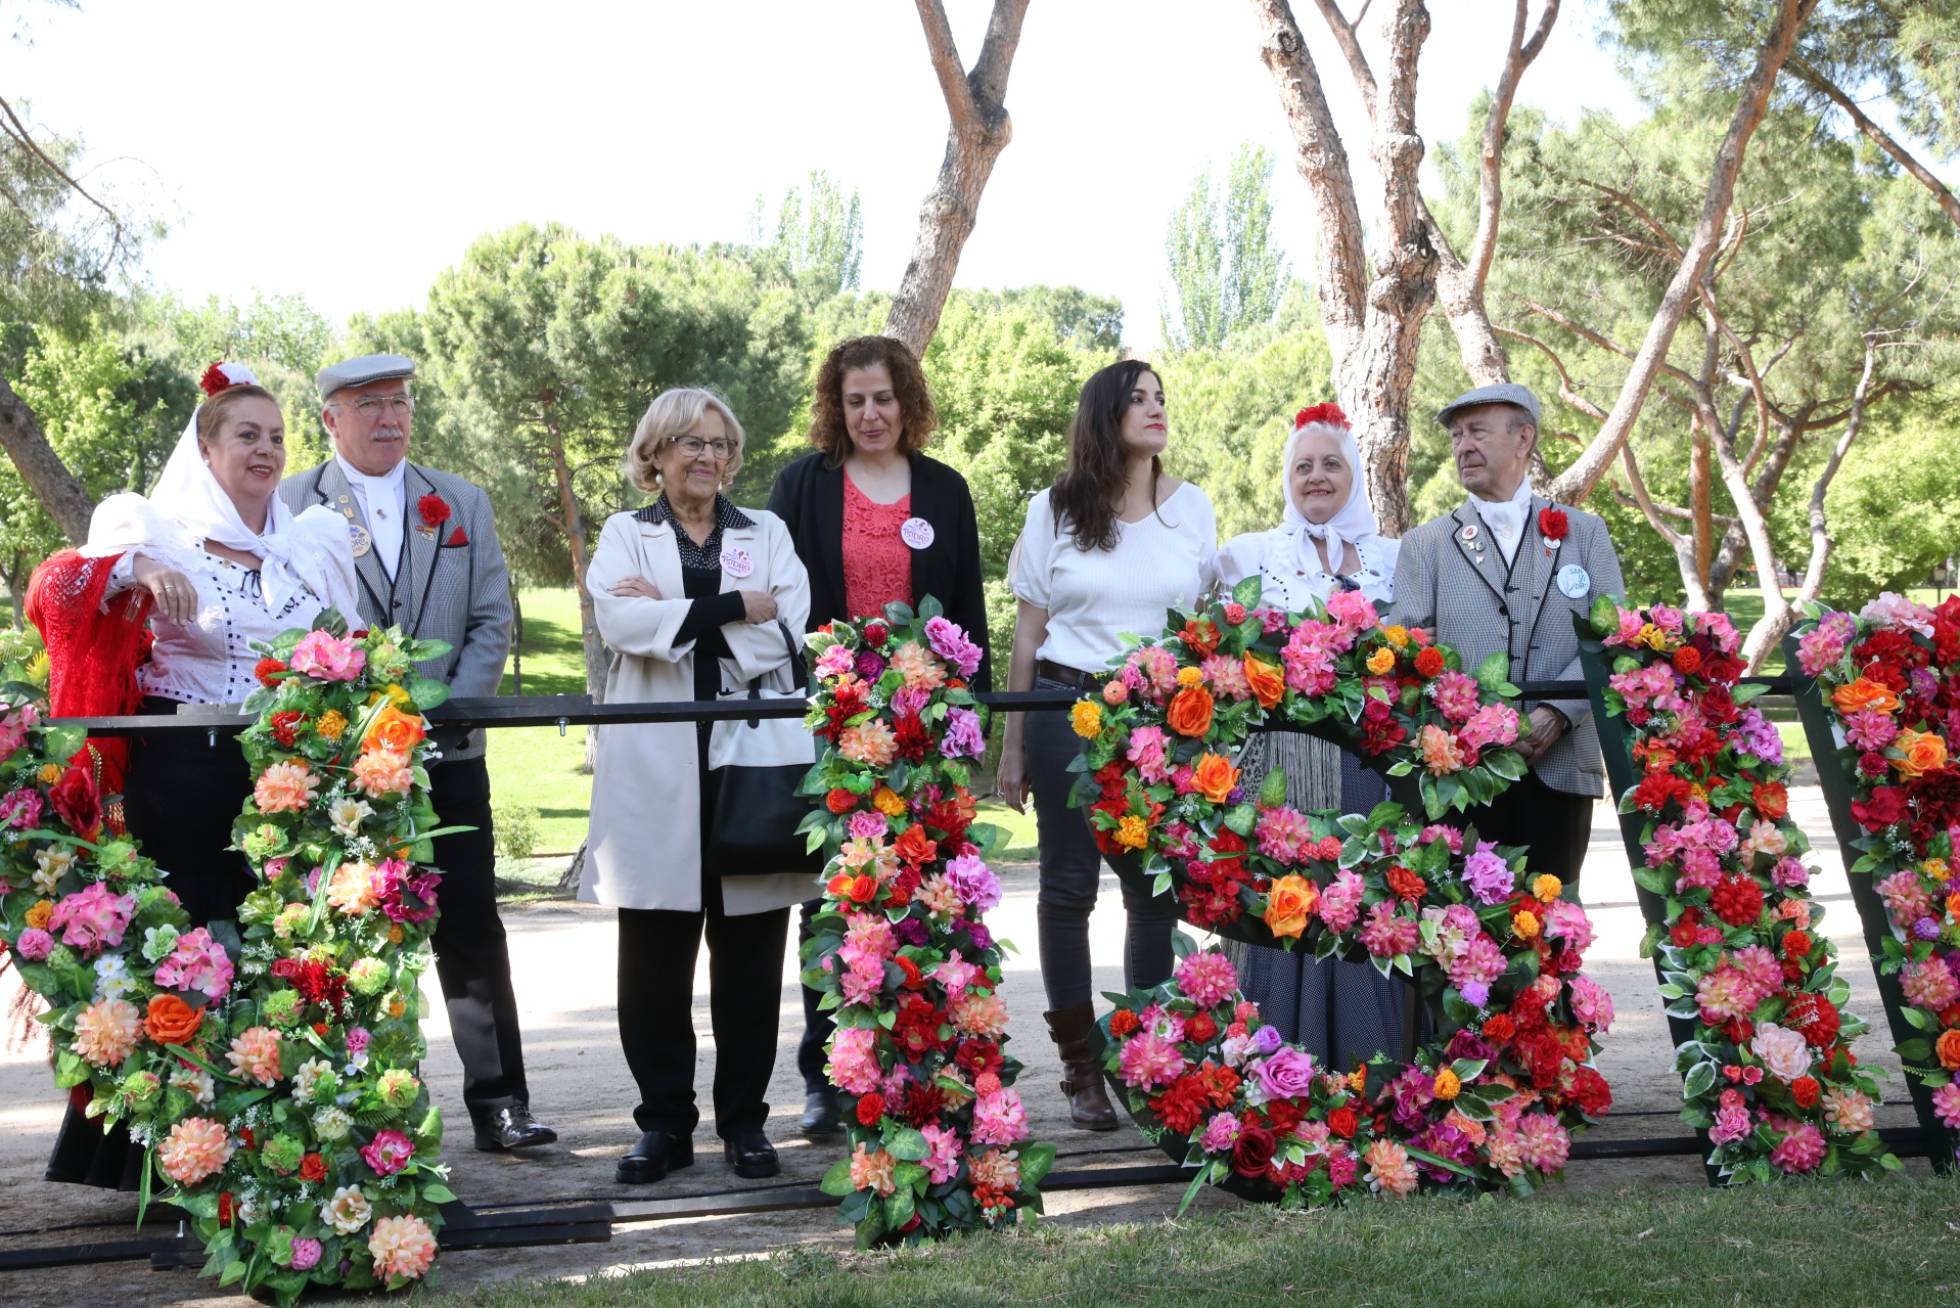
point(434, 512)
point(457, 537)
point(1552, 526)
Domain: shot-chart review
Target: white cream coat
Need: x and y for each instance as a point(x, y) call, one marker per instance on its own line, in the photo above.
point(644, 846)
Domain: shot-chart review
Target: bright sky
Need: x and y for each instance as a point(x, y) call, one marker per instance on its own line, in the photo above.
point(349, 150)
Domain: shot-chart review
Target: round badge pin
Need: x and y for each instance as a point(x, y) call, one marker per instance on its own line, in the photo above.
point(736, 562)
point(1574, 581)
point(359, 535)
point(917, 533)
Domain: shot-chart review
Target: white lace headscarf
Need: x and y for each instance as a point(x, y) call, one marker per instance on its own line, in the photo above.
point(188, 507)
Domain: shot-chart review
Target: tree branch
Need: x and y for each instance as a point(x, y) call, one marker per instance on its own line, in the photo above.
point(11, 124)
point(1577, 482)
point(1808, 73)
point(979, 130)
point(1323, 164)
point(1357, 62)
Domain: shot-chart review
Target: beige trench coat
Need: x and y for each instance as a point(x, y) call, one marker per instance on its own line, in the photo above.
point(644, 846)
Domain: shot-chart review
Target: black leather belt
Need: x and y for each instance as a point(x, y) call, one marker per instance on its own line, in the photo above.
point(1068, 676)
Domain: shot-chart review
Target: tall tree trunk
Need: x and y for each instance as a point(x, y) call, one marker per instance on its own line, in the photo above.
point(61, 493)
point(517, 642)
point(1577, 482)
point(1372, 313)
point(980, 129)
point(572, 520)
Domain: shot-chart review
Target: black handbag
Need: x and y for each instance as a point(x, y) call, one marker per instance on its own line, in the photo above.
point(753, 829)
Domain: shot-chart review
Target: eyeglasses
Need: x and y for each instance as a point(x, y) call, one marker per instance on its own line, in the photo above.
point(371, 407)
point(692, 446)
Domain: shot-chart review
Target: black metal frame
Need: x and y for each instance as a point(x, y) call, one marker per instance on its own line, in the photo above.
point(591, 1221)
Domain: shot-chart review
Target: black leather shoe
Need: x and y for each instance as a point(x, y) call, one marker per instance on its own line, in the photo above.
point(513, 1128)
point(820, 1116)
point(657, 1153)
point(751, 1155)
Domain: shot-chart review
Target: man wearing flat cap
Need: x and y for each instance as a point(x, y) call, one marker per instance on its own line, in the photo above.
point(1506, 572)
point(426, 553)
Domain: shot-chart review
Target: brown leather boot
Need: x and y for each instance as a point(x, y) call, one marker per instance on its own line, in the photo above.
point(1082, 1079)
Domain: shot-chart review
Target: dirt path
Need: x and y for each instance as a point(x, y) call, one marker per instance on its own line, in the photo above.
point(563, 955)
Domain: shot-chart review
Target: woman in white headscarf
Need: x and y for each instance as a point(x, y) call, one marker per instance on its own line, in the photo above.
point(1328, 540)
point(214, 561)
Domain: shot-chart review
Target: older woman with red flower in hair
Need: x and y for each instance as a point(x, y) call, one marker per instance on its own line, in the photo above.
point(159, 609)
point(1327, 541)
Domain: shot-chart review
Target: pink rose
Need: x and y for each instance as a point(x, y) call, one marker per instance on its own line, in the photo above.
point(326, 657)
point(388, 1153)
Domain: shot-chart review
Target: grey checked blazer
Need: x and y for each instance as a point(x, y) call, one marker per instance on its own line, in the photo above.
point(1462, 594)
point(456, 593)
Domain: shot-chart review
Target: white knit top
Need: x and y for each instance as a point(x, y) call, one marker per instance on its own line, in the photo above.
point(1094, 596)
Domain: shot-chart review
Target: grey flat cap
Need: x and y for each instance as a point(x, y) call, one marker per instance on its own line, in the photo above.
point(1496, 393)
point(359, 372)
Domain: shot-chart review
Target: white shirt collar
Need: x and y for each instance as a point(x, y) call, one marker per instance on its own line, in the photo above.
point(388, 483)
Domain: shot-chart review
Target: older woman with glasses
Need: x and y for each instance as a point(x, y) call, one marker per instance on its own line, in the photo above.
point(691, 593)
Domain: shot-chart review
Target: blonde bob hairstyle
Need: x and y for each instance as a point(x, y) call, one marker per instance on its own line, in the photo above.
point(671, 414)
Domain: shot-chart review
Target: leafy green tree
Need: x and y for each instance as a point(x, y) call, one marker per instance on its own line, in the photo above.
point(112, 413)
point(1226, 271)
point(547, 347)
point(819, 237)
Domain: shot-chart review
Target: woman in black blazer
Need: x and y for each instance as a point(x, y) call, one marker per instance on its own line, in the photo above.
point(874, 521)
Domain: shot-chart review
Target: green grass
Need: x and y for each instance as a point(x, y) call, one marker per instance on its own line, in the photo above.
point(535, 766)
point(1802, 1243)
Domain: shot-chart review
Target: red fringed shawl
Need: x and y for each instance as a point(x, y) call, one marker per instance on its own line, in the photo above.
point(92, 654)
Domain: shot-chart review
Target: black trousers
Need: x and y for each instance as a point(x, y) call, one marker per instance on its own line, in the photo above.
point(817, 1024)
point(657, 949)
point(1071, 876)
point(180, 796)
point(1556, 825)
point(472, 957)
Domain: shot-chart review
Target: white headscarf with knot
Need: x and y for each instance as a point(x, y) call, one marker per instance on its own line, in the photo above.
point(1354, 521)
point(188, 507)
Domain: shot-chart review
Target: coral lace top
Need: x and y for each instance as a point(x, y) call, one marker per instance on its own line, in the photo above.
point(877, 561)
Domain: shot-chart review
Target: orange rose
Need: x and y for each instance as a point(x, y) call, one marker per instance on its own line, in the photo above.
point(1948, 1049)
point(1924, 752)
point(914, 846)
point(1267, 681)
point(1289, 904)
point(395, 730)
point(171, 1021)
point(1214, 776)
point(1864, 693)
point(1190, 711)
point(40, 913)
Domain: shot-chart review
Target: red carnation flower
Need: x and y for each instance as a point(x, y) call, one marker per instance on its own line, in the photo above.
point(268, 670)
point(434, 512)
point(1200, 1027)
point(1805, 1091)
point(1552, 524)
point(1816, 1017)
point(1406, 884)
point(285, 727)
point(214, 380)
point(1429, 663)
point(876, 634)
point(1738, 900)
point(1123, 1022)
point(313, 1169)
point(1327, 413)
point(870, 1108)
point(1687, 660)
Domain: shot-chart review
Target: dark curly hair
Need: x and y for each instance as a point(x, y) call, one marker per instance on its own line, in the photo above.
point(1086, 494)
point(917, 417)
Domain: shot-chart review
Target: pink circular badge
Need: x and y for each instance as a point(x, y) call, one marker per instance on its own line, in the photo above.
point(916, 532)
point(736, 562)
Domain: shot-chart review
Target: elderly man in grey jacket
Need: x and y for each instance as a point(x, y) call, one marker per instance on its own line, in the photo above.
point(426, 553)
point(1506, 572)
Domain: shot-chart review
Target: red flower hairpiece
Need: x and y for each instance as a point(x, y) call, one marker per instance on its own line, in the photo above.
point(215, 379)
point(1327, 413)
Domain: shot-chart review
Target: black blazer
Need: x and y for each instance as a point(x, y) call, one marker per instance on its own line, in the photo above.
point(809, 498)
